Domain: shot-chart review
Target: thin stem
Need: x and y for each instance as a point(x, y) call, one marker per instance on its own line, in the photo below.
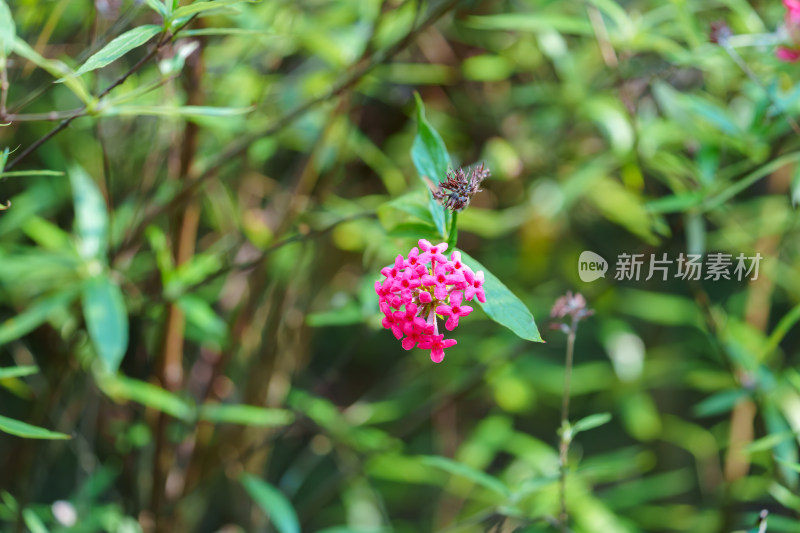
point(566, 434)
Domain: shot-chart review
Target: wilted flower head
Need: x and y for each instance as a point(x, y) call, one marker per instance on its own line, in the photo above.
point(456, 192)
point(571, 305)
point(423, 286)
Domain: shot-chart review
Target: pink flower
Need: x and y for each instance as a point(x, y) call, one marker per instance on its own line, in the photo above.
point(474, 285)
point(423, 288)
point(431, 252)
point(454, 311)
point(789, 55)
point(436, 344)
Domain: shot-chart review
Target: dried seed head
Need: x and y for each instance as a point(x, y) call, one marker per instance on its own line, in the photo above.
point(457, 191)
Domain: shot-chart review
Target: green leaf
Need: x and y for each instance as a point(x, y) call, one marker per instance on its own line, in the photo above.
point(106, 320)
point(532, 22)
point(202, 317)
point(27, 173)
point(55, 68)
point(91, 216)
point(21, 429)
point(769, 442)
point(35, 315)
point(199, 7)
point(33, 522)
point(247, 415)
point(719, 403)
point(8, 30)
point(273, 503)
point(226, 31)
point(18, 371)
point(432, 161)
point(502, 306)
point(158, 7)
point(590, 422)
point(460, 469)
point(119, 46)
point(188, 111)
point(134, 390)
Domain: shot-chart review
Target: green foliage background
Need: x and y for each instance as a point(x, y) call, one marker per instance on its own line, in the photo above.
point(202, 196)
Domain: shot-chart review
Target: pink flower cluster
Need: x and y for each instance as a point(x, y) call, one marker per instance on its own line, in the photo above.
point(791, 53)
point(421, 286)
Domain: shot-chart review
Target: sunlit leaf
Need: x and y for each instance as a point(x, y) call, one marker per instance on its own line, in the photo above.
point(8, 30)
point(21, 429)
point(248, 415)
point(106, 320)
point(91, 217)
point(590, 422)
point(272, 501)
point(124, 388)
point(460, 469)
point(503, 306)
point(18, 371)
point(119, 46)
point(199, 7)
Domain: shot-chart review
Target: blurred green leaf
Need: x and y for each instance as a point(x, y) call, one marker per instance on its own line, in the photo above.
point(91, 218)
point(125, 388)
point(502, 306)
point(187, 111)
point(199, 7)
point(35, 315)
point(201, 317)
point(432, 161)
point(590, 422)
point(460, 469)
point(8, 30)
point(158, 6)
point(28, 173)
point(33, 522)
point(248, 415)
point(119, 46)
point(272, 501)
point(721, 402)
point(18, 371)
point(21, 429)
point(769, 442)
point(106, 320)
point(55, 68)
point(532, 22)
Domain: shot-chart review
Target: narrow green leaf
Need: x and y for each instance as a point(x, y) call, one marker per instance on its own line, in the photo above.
point(106, 320)
point(432, 161)
point(502, 306)
point(55, 68)
point(134, 390)
point(273, 503)
point(590, 422)
point(247, 415)
point(460, 469)
point(91, 216)
point(769, 442)
point(35, 315)
point(8, 30)
point(721, 402)
point(158, 7)
point(199, 7)
point(119, 46)
point(18, 371)
point(792, 466)
point(532, 22)
point(26, 173)
point(189, 111)
point(226, 31)
point(21, 429)
point(200, 316)
point(33, 522)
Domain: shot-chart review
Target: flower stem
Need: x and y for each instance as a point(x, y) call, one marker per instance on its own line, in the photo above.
point(452, 234)
point(566, 433)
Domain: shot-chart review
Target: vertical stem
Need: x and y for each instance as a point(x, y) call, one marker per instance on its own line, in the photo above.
point(566, 435)
point(452, 234)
